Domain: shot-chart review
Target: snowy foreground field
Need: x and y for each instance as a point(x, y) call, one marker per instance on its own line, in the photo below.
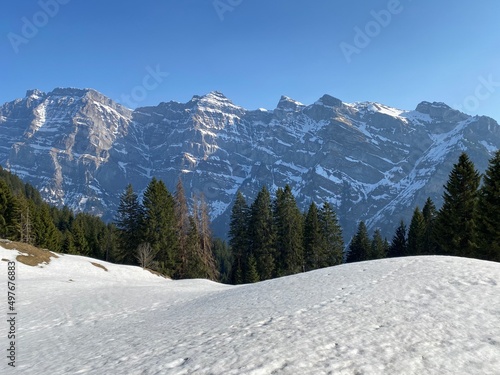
point(422, 315)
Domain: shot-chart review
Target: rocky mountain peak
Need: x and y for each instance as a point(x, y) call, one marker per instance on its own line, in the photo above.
point(214, 100)
point(329, 101)
point(288, 104)
point(34, 93)
point(216, 95)
point(371, 161)
point(440, 111)
point(70, 91)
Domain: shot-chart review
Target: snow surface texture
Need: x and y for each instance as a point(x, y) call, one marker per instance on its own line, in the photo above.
point(420, 315)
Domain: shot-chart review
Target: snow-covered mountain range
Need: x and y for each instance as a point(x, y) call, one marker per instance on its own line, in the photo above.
point(373, 162)
point(415, 315)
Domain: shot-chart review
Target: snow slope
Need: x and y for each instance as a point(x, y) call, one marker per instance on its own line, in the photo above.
point(421, 315)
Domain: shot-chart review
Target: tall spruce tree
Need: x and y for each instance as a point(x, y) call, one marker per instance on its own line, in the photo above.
point(110, 243)
point(95, 232)
point(399, 244)
point(289, 237)
point(252, 275)
point(9, 213)
point(238, 237)
point(5, 195)
point(416, 233)
point(379, 247)
point(46, 233)
point(160, 225)
point(314, 242)
point(80, 243)
point(455, 228)
point(68, 244)
point(489, 211)
point(262, 236)
point(224, 259)
point(430, 213)
point(62, 218)
point(360, 245)
point(332, 236)
point(129, 221)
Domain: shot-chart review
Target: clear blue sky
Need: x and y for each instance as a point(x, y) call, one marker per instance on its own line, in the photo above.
point(429, 50)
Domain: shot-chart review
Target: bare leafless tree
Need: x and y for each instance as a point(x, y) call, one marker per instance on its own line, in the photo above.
point(207, 254)
point(145, 255)
point(182, 229)
point(26, 228)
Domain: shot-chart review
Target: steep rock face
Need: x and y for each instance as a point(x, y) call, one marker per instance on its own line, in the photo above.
point(58, 141)
point(373, 162)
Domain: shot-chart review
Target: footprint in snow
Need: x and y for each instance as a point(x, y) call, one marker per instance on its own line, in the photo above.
point(177, 363)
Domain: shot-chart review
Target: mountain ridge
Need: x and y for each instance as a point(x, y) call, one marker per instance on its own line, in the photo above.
point(372, 161)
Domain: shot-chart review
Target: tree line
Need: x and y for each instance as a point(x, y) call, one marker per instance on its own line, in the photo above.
point(269, 238)
point(159, 233)
point(162, 234)
point(272, 238)
point(25, 217)
point(467, 225)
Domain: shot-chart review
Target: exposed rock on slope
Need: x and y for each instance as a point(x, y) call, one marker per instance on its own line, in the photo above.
point(372, 161)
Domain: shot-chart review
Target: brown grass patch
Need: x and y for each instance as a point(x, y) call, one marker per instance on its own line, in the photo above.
point(157, 273)
point(32, 256)
point(99, 266)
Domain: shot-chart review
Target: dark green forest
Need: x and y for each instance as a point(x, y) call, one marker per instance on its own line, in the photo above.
point(269, 237)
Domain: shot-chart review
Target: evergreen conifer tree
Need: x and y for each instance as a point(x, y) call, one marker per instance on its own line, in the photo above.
point(387, 246)
point(237, 276)
point(46, 233)
point(160, 225)
point(252, 275)
point(314, 242)
point(455, 228)
point(238, 237)
point(68, 245)
point(94, 230)
point(289, 237)
point(9, 213)
point(378, 249)
point(4, 199)
point(63, 218)
point(430, 213)
point(80, 243)
point(110, 243)
point(416, 233)
point(489, 211)
point(332, 236)
point(360, 245)
point(224, 259)
point(399, 244)
point(129, 221)
point(262, 236)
